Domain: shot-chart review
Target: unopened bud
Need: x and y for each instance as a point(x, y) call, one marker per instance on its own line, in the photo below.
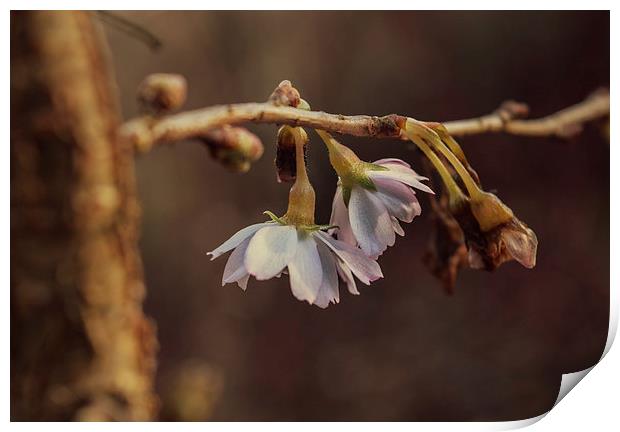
point(511, 241)
point(234, 147)
point(508, 239)
point(285, 95)
point(160, 93)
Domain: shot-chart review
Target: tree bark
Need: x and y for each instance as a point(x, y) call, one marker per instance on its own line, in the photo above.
point(81, 346)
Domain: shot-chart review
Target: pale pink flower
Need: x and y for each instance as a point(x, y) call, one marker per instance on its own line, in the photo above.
point(311, 258)
point(376, 203)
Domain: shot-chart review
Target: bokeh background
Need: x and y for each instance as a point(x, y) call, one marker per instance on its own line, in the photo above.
point(403, 350)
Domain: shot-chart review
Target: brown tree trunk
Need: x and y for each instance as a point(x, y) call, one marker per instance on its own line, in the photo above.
point(81, 347)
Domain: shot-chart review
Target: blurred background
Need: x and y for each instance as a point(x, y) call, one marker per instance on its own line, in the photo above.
point(403, 349)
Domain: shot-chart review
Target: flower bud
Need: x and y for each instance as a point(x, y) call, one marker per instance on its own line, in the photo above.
point(285, 95)
point(234, 147)
point(506, 240)
point(160, 93)
point(511, 241)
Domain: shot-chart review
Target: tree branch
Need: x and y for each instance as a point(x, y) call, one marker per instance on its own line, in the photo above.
point(564, 123)
point(144, 132)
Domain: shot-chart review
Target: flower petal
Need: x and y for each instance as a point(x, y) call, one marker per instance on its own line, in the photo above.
point(397, 228)
point(328, 291)
point(370, 222)
point(270, 250)
point(392, 161)
point(304, 270)
point(398, 198)
point(243, 282)
point(409, 177)
point(366, 269)
point(399, 165)
point(340, 217)
point(235, 269)
point(236, 239)
point(345, 274)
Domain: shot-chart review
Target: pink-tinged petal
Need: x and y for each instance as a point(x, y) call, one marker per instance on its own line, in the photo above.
point(340, 217)
point(243, 282)
point(345, 274)
point(304, 270)
point(392, 161)
point(397, 228)
point(370, 222)
point(236, 239)
point(409, 178)
point(398, 198)
point(270, 250)
point(400, 166)
point(328, 291)
point(235, 269)
point(366, 269)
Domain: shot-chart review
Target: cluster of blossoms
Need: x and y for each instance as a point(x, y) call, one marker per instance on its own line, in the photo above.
point(370, 200)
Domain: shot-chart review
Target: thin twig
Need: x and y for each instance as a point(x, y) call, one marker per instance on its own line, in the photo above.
point(144, 132)
point(563, 123)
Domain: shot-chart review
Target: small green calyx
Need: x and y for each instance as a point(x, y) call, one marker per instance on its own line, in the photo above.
point(357, 176)
point(275, 218)
point(350, 169)
point(310, 228)
point(374, 167)
point(342, 158)
point(285, 220)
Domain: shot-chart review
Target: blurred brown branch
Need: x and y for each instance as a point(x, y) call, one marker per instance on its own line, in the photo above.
point(81, 345)
point(146, 131)
point(563, 124)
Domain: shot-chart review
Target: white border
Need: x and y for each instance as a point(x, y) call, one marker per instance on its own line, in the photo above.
point(593, 406)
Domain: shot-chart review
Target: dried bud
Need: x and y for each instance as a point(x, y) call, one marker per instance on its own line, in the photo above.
point(160, 93)
point(512, 240)
point(286, 162)
point(504, 241)
point(447, 252)
point(285, 95)
point(235, 147)
point(490, 211)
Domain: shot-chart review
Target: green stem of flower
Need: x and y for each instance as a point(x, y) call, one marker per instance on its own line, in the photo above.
point(472, 187)
point(454, 191)
point(300, 159)
point(450, 142)
point(301, 199)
